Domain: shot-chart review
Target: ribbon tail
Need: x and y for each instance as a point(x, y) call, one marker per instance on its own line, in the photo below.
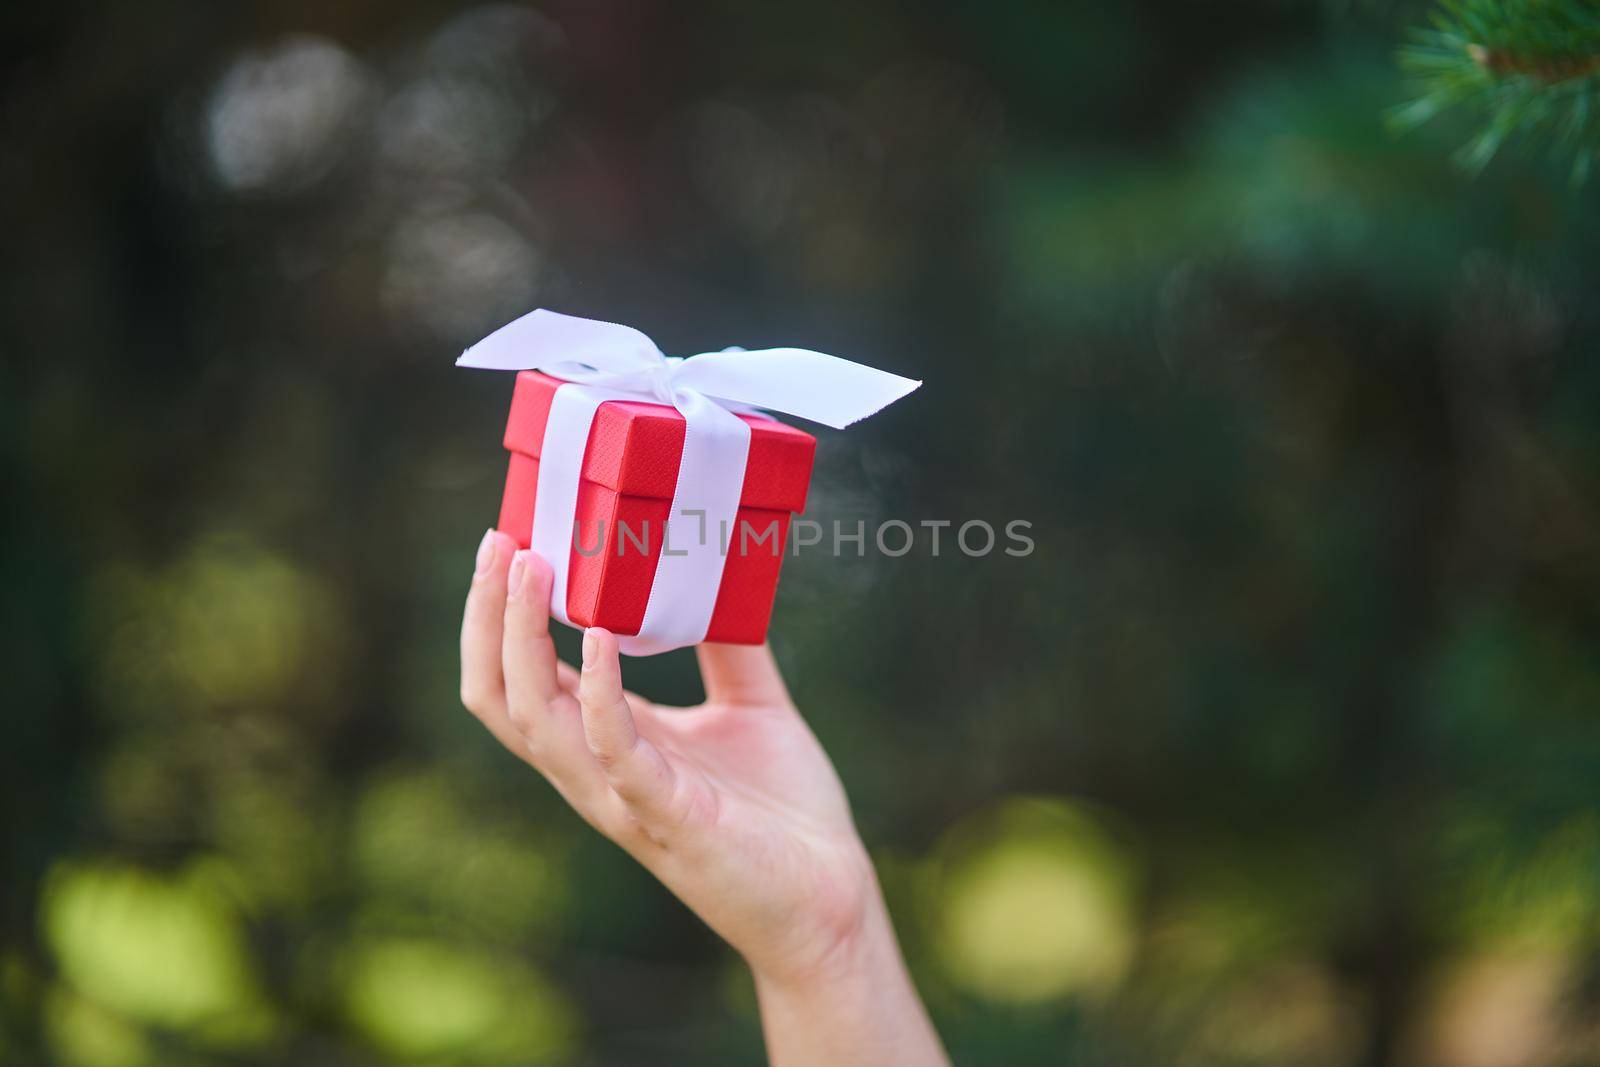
point(812, 385)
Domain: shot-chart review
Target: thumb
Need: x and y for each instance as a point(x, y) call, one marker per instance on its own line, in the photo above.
point(741, 675)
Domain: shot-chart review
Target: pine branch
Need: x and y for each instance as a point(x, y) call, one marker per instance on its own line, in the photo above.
point(1547, 69)
point(1530, 68)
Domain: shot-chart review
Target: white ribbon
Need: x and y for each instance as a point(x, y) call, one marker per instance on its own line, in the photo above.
point(602, 361)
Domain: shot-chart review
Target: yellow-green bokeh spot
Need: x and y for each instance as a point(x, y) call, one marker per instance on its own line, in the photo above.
point(83, 1034)
point(422, 839)
point(1033, 903)
point(227, 623)
point(422, 998)
point(1543, 896)
point(165, 950)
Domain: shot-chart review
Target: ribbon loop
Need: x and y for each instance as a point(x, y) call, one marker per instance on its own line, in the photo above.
point(796, 381)
point(544, 339)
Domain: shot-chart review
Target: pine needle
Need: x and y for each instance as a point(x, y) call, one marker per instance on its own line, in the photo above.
point(1529, 68)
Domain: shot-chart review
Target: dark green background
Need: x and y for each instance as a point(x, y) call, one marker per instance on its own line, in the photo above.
point(1280, 749)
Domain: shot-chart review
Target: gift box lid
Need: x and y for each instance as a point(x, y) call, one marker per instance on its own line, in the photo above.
point(635, 447)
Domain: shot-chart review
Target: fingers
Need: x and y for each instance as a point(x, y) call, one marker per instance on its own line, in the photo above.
point(528, 654)
point(741, 675)
point(634, 768)
point(539, 705)
point(578, 730)
point(482, 683)
point(567, 675)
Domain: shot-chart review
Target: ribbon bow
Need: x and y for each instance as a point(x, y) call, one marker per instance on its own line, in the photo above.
point(797, 381)
point(603, 361)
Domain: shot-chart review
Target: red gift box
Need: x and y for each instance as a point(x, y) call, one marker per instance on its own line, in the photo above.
point(630, 472)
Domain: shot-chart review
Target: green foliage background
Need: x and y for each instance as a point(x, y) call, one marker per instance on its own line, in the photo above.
point(1281, 748)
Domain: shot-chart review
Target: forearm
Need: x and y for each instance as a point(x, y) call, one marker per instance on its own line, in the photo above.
point(857, 1009)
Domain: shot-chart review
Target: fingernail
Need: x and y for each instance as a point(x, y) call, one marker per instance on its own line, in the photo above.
point(591, 647)
point(518, 574)
point(486, 553)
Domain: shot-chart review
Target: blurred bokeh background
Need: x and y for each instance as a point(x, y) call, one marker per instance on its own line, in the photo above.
point(1282, 748)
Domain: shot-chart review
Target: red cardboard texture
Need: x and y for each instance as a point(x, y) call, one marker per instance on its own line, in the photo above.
point(630, 472)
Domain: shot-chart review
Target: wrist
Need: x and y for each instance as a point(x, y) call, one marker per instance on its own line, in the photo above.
point(855, 1005)
point(835, 926)
point(863, 948)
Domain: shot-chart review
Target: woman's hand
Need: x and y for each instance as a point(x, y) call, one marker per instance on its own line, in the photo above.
point(733, 805)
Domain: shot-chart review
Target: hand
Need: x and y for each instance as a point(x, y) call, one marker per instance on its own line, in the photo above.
point(733, 805)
